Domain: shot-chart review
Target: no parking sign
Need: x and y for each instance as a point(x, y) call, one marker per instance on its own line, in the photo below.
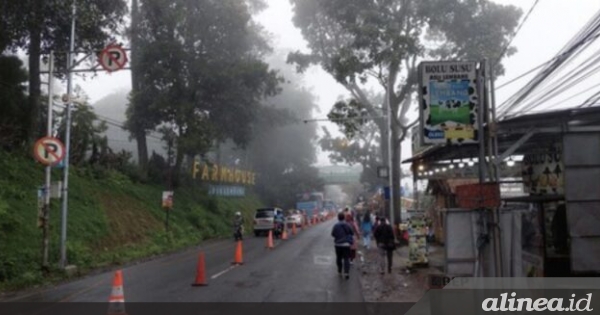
point(49, 151)
point(113, 58)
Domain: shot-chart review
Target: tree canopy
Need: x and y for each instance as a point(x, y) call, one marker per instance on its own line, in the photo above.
point(39, 27)
point(199, 71)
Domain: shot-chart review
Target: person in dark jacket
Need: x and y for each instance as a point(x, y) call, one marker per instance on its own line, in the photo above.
point(355, 232)
point(384, 237)
point(343, 238)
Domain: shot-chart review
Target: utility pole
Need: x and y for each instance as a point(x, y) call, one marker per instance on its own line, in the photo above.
point(48, 172)
point(65, 195)
point(497, 176)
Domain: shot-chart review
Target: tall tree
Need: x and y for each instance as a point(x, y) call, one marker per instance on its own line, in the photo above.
point(141, 123)
point(41, 26)
point(362, 41)
point(198, 63)
point(12, 93)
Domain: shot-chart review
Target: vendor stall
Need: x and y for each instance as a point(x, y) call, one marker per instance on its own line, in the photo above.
point(554, 157)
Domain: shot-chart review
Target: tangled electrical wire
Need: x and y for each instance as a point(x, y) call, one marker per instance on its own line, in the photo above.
point(560, 75)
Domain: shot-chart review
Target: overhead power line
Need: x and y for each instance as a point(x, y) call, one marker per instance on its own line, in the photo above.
point(546, 85)
point(516, 32)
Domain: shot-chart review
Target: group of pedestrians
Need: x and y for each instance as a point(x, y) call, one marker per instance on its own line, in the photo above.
point(346, 234)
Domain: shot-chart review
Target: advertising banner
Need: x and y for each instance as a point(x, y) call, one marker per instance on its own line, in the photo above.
point(448, 102)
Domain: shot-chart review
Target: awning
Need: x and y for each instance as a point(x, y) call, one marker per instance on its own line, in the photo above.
point(520, 135)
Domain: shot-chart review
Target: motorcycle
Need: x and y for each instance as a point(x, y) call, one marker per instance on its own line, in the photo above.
point(278, 230)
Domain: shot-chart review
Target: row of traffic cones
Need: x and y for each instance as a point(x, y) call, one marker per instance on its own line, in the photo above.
point(117, 296)
point(201, 268)
point(238, 260)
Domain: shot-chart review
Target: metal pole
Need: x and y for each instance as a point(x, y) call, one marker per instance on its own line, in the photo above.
point(390, 166)
point(48, 173)
point(497, 231)
point(480, 128)
point(65, 195)
point(481, 164)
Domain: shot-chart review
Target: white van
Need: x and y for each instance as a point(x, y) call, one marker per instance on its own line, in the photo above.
point(264, 220)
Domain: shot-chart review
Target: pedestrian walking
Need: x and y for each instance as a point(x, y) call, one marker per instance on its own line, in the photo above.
point(367, 229)
point(386, 244)
point(343, 238)
point(354, 246)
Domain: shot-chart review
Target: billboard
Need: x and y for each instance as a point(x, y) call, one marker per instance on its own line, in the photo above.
point(448, 102)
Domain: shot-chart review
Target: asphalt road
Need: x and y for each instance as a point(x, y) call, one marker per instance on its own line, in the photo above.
point(300, 269)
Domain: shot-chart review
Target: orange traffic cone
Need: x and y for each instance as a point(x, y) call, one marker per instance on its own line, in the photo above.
point(117, 296)
point(284, 235)
point(270, 240)
point(200, 272)
point(238, 254)
point(294, 229)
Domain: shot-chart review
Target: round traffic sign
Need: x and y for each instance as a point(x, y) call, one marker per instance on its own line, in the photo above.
point(49, 151)
point(113, 58)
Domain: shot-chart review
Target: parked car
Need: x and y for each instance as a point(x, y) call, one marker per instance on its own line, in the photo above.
point(264, 220)
point(294, 218)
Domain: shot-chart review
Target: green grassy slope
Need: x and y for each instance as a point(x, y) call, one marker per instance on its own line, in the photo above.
point(111, 221)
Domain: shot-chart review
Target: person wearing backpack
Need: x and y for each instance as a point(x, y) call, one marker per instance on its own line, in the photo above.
point(343, 238)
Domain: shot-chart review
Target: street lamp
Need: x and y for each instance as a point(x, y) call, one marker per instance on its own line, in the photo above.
point(471, 162)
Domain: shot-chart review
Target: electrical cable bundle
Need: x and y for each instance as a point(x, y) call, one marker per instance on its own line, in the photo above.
point(559, 75)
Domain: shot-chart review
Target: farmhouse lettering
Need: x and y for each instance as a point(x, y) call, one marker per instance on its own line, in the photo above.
point(222, 174)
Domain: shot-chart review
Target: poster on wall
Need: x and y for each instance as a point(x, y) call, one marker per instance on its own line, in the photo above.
point(448, 102)
point(543, 172)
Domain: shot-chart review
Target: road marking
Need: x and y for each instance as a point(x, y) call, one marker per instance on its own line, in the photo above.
point(222, 273)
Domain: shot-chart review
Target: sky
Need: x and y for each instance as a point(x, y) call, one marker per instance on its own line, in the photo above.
point(551, 25)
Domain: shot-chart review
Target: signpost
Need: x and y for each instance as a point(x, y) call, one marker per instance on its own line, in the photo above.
point(113, 58)
point(167, 204)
